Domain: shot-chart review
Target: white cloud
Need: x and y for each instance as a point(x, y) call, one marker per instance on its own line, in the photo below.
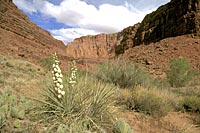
point(106, 18)
point(78, 13)
point(25, 5)
point(67, 35)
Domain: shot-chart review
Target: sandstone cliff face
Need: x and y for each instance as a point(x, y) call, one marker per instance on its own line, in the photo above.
point(126, 38)
point(102, 46)
point(94, 47)
point(178, 17)
point(22, 38)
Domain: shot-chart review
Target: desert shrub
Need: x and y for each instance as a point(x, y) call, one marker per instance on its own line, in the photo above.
point(153, 101)
point(179, 73)
point(13, 111)
point(187, 91)
point(192, 103)
point(122, 97)
point(122, 127)
point(76, 104)
point(123, 74)
point(160, 83)
point(46, 62)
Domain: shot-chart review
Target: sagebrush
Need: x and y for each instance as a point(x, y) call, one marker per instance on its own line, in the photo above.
point(180, 73)
point(123, 74)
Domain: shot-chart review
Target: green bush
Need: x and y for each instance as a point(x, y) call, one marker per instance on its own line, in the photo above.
point(123, 74)
point(122, 127)
point(192, 103)
point(179, 73)
point(85, 105)
point(47, 62)
point(151, 101)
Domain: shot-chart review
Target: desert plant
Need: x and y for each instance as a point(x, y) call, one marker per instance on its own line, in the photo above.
point(161, 83)
point(179, 73)
point(153, 101)
point(122, 127)
point(46, 62)
point(13, 110)
point(123, 74)
point(80, 105)
point(192, 103)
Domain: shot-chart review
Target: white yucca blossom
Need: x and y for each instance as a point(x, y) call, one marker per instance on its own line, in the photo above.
point(59, 80)
point(59, 96)
point(59, 91)
point(61, 86)
point(57, 77)
point(62, 93)
point(72, 79)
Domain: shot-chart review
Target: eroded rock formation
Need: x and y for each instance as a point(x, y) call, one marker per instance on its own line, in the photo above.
point(178, 17)
point(22, 38)
point(99, 46)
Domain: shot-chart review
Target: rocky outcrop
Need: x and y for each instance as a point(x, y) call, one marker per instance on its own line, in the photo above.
point(22, 38)
point(103, 45)
point(178, 17)
point(126, 37)
point(98, 46)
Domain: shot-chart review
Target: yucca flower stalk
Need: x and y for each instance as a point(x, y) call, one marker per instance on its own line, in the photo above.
point(72, 88)
point(72, 79)
point(57, 77)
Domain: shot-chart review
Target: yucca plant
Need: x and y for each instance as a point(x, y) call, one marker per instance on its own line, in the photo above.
point(76, 104)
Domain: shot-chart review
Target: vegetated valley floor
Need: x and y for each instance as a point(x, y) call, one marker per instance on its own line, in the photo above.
point(26, 78)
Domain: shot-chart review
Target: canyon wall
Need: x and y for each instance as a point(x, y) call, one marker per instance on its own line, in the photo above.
point(24, 39)
point(178, 17)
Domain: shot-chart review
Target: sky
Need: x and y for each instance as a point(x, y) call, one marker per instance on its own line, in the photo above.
point(70, 19)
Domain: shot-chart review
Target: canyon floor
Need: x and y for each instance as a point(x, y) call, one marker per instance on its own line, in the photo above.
point(25, 78)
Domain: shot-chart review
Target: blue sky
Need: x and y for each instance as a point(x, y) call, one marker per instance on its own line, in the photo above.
point(70, 19)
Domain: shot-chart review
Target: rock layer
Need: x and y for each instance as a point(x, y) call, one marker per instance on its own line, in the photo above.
point(178, 17)
point(22, 38)
point(102, 46)
point(94, 47)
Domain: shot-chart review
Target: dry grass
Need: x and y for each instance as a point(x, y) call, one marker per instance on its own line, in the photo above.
point(20, 76)
point(151, 101)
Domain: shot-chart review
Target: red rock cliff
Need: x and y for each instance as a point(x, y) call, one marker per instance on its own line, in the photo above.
point(99, 46)
point(178, 17)
point(22, 38)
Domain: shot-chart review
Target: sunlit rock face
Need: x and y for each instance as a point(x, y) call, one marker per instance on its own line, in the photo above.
point(178, 17)
point(22, 38)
